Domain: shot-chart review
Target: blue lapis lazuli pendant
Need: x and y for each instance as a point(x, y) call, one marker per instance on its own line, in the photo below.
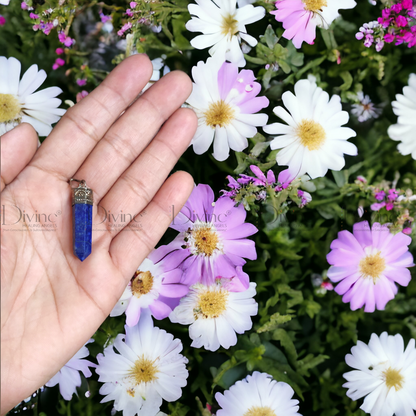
point(82, 202)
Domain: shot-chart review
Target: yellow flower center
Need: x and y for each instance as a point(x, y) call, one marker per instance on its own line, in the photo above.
point(229, 25)
point(143, 371)
point(9, 108)
point(312, 135)
point(372, 266)
point(315, 5)
point(393, 378)
point(141, 283)
point(213, 303)
point(206, 240)
point(219, 114)
point(259, 411)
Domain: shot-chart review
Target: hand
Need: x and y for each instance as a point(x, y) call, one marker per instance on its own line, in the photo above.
point(51, 302)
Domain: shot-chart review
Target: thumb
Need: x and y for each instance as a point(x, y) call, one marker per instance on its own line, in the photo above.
point(17, 149)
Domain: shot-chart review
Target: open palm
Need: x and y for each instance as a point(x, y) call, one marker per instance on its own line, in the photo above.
point(51, 302)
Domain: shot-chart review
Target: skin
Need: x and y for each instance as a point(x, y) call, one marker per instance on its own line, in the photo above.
point(51, 302)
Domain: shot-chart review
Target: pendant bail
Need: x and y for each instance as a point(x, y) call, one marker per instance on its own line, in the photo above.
point(81, 194)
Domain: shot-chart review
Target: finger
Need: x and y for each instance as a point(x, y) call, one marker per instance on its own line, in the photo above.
point(143, 233)
point(132, 132)
point(83, 125)
point(17, 149)
point(137, 186)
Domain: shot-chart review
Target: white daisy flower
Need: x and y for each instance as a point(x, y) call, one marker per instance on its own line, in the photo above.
point(216, 314)
point(225, 102)
point(68, 377)
point(19, 103)
point(146, 368)
point(223, 27)
point(5, 2)
point(385, 373)
point(258, 395)
point(153, 286)
point(405, 108)
point(313, 141)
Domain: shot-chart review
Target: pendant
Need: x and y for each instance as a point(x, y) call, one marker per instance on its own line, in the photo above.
point(82, 201)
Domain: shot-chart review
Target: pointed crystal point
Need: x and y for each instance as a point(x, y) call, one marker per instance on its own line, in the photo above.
point(82, 230)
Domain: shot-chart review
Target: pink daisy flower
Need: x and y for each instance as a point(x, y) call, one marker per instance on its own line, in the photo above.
point(301, 17)
point(154, 286)
point(226, 102)
point(212, 240)
point(368, 263)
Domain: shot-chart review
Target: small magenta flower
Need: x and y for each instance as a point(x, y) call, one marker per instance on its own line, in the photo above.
point(24, 5)
point(81, 95)
point(260, 179)
point(368, 264)
point(125, 27)
point(58, 63)
point(59, 51)
point(401, 21)
point(33, 16)
point(393, 194)
point(81, 82)
point(2, 20)
point(380, 195)
point(66, 40)
point(377, 206)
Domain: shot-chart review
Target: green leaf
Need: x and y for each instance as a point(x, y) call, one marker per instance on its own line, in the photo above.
point(275, 320)
point(270, 36)
point(287, 343)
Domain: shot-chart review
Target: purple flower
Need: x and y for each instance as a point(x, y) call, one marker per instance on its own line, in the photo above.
point(212, 240)
point(66, 40)
point(260, 179)
point(58, 62)
point(125, 27)
point(81, 95)
point(388, 37)
point(81, 82)
point(154, 286)
point(2, 20)
point(396, 8)
point(393, 194)
point(234, 185)
point(284, 179)
point(226, 102)
point(59, 51)
point(380, 195)
point(377, 206)
point(68, 376)
point(305, 198)
point(23, 5)
point(104, 18)
point(369, 39)
point(368, 263)
point(33, 16)
point(401, 21)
